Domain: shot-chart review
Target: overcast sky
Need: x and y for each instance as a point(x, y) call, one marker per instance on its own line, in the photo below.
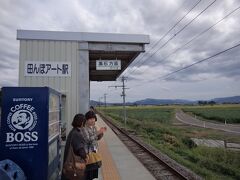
point(216, 77)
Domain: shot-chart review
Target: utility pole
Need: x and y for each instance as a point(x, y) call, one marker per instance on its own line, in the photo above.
point(124, 100)
point(105, 101)
point(100, 101)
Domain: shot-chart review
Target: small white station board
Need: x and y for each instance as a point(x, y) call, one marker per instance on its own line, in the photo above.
point(108, 64)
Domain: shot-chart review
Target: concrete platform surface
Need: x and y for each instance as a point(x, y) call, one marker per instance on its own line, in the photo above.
point(118, 161)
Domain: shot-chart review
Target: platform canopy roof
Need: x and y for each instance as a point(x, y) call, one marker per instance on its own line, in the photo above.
point(101, 46)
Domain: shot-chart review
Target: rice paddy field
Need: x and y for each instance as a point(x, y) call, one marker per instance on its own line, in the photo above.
point(157, 126)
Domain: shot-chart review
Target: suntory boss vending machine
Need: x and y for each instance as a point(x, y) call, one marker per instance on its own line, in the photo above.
point(30, 130)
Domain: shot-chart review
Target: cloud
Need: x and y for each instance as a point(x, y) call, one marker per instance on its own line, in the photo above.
point(153, 17)
point(217, 39)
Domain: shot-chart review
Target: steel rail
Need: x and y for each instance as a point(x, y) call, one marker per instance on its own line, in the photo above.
point(170, 168)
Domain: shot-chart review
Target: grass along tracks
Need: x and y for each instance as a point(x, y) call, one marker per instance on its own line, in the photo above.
point(161, 166)
point(155, 126)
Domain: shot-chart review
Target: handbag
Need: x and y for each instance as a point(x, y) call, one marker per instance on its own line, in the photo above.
point(74, 166)
point(94, 160)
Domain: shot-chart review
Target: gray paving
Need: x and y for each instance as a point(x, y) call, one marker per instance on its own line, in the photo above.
point(127, 164)
point(187, 119)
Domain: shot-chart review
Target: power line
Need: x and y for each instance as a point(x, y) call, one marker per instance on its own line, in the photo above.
point(177, 33)
point(186, 67)
point(193, 64)
point(197, 36)
point(157, 42)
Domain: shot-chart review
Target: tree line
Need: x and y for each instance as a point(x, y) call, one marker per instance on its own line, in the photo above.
point(206, 102)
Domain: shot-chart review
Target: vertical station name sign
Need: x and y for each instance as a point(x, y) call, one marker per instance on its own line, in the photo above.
point(44, 68)
point(108, 64)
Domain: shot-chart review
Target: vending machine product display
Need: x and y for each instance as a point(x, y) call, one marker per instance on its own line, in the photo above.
point(30, 130)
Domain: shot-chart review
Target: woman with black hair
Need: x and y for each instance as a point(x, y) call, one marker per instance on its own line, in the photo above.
point(76, 140)
point(92, 135)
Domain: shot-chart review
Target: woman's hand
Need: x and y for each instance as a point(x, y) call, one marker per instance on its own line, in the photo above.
point(103, 129)
point(100, 132)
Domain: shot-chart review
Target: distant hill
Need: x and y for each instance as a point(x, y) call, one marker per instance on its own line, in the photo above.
point(233, 99)
point(94, 103)
point(148, 101)
point(163, 101)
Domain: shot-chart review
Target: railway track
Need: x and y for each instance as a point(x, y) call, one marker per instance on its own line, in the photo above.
point(160, 165)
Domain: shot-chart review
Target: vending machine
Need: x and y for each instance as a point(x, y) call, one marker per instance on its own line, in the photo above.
point(30, 130)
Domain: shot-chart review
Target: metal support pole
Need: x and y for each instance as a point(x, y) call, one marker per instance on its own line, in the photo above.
point(100, 102)
point(124, 99)
point(105, 100)
point(124, 102)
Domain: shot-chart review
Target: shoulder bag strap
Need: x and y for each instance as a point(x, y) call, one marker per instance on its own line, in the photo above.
point(72, 153)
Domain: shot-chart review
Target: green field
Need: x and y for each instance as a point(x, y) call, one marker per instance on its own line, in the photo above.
point(145, 114)
point(155, 125)
point(230, 114)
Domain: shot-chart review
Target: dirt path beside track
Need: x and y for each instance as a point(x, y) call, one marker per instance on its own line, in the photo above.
point(187, 119)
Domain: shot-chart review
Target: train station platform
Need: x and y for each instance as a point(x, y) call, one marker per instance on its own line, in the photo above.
point(117, 161)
